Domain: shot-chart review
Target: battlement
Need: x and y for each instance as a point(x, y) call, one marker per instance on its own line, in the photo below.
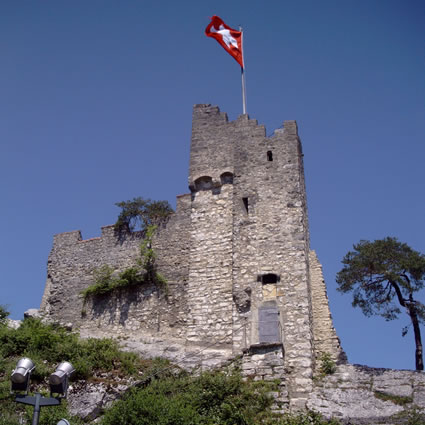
point(218, 145)
point(235, 255)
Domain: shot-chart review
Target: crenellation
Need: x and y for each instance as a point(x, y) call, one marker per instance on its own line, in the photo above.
point(66, 238)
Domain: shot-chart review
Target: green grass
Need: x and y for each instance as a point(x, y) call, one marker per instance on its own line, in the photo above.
point(396, 399)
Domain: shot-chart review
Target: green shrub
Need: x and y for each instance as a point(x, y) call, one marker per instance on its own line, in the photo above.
point(144, 272)
point(3, 314)
point(141, 213)
point(148, 407)
point(327, 365)
point(48, 345)
point(211, 398)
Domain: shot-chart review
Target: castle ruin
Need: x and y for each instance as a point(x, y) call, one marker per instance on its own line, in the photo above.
point(242, 280)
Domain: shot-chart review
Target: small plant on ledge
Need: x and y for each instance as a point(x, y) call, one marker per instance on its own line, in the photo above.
point(144, 272)
point(327, 365)
point(148, 259)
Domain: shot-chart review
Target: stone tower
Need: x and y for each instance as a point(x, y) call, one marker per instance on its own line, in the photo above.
point(241, 277)
point(250, 269)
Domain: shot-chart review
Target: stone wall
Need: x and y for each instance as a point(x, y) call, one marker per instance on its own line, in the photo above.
point(241, 278)
point(70, 267)
point(145, 310)
point(209, 292)
point(326, 340)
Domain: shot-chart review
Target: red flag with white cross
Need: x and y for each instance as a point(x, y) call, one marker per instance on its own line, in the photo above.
point(229, 38)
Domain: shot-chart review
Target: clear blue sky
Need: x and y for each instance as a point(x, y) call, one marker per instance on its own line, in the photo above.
point(96, 100)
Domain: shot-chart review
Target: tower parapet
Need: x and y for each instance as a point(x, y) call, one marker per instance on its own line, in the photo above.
point(236, 255)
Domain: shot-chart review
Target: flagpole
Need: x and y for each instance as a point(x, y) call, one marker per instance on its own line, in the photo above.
point(243, 76)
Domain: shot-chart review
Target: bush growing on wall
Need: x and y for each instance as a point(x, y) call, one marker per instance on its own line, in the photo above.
point(327, 365)
point(139, 214)
point(144, 272)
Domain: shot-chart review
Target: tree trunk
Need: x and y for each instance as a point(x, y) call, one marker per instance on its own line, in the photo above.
point(418, 341)
point(411, 311)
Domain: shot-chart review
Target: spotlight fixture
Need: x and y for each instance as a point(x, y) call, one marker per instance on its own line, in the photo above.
point(20, 377)
point(58, 380)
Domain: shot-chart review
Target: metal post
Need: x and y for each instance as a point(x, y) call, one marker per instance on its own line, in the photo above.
point(243, 76)
point(36, 414)
point(243, 92)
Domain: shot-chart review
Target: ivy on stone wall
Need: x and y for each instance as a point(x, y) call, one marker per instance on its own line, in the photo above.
point(145, 271)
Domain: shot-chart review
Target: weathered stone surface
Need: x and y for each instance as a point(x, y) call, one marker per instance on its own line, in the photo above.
point(14, 324)
point(242, 280)
point(32, 312)
point(88, 400)
point(363, 395)
point(325, 337)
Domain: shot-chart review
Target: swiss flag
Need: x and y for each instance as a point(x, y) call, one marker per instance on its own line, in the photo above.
point(230, 39)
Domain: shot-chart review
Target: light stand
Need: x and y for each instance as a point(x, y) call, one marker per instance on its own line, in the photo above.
point(37, 401)
point(58, 381)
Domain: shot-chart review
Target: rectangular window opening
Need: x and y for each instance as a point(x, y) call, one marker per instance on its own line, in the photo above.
point(245, 203)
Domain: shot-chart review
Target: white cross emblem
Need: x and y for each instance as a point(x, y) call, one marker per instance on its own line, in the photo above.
point(225, 34)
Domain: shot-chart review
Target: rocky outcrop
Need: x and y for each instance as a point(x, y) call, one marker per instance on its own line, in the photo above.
point(88, 400)
point(14, 324)
point(362, 395)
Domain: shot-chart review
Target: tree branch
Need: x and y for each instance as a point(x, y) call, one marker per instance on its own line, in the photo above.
point(401, 300)
point(406, 277)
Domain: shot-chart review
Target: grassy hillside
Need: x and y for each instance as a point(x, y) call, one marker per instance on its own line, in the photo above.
point(164, 394)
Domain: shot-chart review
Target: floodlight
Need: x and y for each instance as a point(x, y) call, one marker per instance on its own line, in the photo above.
point(21, 374)
point(58, 380)
point(58, 384)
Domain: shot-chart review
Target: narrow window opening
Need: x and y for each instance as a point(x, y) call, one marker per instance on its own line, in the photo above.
point(270, 278)
point(269, 156)
point(245, 203)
